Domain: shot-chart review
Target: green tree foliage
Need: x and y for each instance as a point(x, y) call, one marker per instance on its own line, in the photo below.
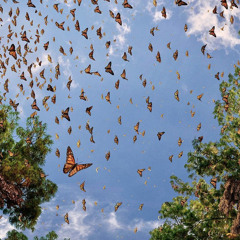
point(23, 186)
point(209, 206)
point(15, 235)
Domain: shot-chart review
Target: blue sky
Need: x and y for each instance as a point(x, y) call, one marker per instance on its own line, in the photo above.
point(119, 174)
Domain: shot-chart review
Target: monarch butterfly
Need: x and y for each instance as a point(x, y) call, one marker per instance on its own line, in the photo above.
point(13, 104)
point(152, 31)
point(84, 205)
point(88, 110)
point(231, 19)
point(88, 69)
point(233, 4)
point(200, 138)
point(130, 50)
point(185, 27)
point(79, 2)
point(57, 153)
point(203, 49)
point(73, 12)
point(97, 10)
point(91, 139)
point(65, 114)
point(12, 51)
point(180, 154)
point(179, 142)
point(19, 50)
point(158, 57)
point(126, 4)
point(159, 135)
point(107, 44)
point(170, 158)
point(176, 96)
point(164, 14)
point(107, 97)
point(66, 218)
point(120, 120)
point(118, 19)
point(140, 171)
point(134, 138)
point(99, 33)
point(175, 55)
point(215, 10)
point(70, 165)
point(221, 14)
point(117, 206)
point(82, 187)
point(34, 105)
point(211, 31)
point(77, 27)
point(82, 97)
point(24, 37)
point(91, 55)
point(111, 14)
point(116, 139)
point(150, 47)
point(55, 6)
point(108, 68)
point(199, 97)
point(60, 25)
point(136, 127)
point(33, 114)
point(180, 3)
point(53, 99)
point(224, 3)
point(33, 94)
point(168, 45)
point(123, 75)
point(199, 126)
point(69, 130)
point(217, 76)
point(149, 106)
point(214, 182)
point(144, 83)
point(124, 57)
point(192, 113)
point(88, 128)
point(84, 33)
point(30, 4)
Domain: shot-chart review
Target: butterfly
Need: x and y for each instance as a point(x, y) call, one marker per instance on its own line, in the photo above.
point(233, 4)
point(217, 76)
point(159, 135)
point(65, 114)
point(214, 182)
point(211, 31)
point(60, 25)
point(97, 10)
point(24, 37)
point(199, 126)
point(140, 171)
point(107, 156)
point(79, 2)
point(185, 27)
point(118, 19)
point(203, 49)
point(130, 50)
point(107, 97)
point(117, 206)
point(224, 3)
point(221, 14)
point(123, 75)
point(70, 165)
point(12, 51)
point(136, 127)
point(200, 138)
point(84, 205)
point(176, 95)
point(73, 12)
point(57, 153)
point(215, 10)
point(66, 218)
point(179, 142)
point(180, 3)
point(199, 97)
point(158, 57)
point(109, 69)
point(164, 14)
point(82, 187)
point(170, 158)
point(84, 33)
point(150, 47)
point(88, 110)
point(126, 4)
point(13, 104)
point(124, 57)
point(149, 106)
point(34, 105)
point(111, 14)
point(175, 55)
point(180, 154)
point(30, 4)
point(168, 45)
point(141, 207)
point(116, 139)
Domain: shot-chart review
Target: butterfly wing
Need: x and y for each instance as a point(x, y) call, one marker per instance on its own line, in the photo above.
point(70, 161)
point(78, 168)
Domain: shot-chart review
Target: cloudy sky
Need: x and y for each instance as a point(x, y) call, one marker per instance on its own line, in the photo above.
point(117, 180)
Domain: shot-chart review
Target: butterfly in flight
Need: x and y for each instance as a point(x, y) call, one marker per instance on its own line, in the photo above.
point(70, 165)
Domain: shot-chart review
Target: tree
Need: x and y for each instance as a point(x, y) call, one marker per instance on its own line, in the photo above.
point(15, 235)
point(23, 185)
point(201, 210)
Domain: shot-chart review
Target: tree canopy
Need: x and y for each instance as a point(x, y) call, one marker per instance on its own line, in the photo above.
point(208, 207)
point(23, 186)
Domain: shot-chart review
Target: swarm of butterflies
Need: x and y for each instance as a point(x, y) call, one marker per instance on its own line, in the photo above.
point(15, 56)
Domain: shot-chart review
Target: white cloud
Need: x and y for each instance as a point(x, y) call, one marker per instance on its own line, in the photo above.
point(5, 226)
point(201, 19)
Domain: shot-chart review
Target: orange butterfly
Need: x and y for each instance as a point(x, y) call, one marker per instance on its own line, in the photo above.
point(60, 25)
point(12, 51)
point(176, 96)
point(180, 3)
point(214, 182)
point(175, 55)
point(97, 10)
point(66, 218)
point(108, 68)
point(70, 165)
point(159, 135)
point(140, 171)
point(203, 49)
point(224, 3)
point(77, 27)
point(126, 4)
point(211, 31)
point(46, 45)
point(158, 57)
point(117, 206)
point(65, 114)
point(164, 14)
point(30, 4)
point(118, 19)
point(82, 187)
point(84, 33)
